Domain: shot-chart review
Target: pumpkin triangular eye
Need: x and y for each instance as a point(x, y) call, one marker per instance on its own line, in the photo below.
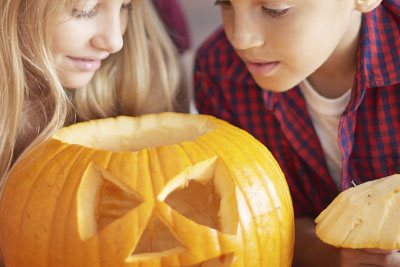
point(198, 202)
point(205, 194)
point(102, 199)
point(157, 239)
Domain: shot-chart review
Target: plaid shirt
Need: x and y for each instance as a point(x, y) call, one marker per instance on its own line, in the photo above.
point(369, 130)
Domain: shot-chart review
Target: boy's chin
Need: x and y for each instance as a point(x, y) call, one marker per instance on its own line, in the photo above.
point(276, 85)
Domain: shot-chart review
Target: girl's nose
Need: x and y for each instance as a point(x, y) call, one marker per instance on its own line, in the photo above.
point(109, 35)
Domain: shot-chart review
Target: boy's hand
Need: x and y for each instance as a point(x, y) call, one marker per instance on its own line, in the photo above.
point(369, 257)
point(310, 251)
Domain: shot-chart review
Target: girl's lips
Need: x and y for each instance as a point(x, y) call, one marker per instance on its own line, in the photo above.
point(261, 69)
point(86, 64)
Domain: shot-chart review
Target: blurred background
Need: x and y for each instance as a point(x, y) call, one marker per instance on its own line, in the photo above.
point(203, 18)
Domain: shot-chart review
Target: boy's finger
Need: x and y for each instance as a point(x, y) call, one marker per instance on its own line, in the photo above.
point(377, 251)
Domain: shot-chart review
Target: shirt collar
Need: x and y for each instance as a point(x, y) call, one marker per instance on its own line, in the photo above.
point(379, 51)
point(379, 57)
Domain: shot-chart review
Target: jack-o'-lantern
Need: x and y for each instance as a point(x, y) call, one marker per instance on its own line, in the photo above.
point(158, 190)
point(364, 216)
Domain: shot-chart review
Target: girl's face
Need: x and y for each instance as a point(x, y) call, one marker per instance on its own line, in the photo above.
point(87, 35)
point(282, 42)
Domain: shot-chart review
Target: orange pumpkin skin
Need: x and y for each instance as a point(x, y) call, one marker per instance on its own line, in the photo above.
point(89, 195)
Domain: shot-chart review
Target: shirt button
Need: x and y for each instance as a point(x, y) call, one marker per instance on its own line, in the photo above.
point(398, 168)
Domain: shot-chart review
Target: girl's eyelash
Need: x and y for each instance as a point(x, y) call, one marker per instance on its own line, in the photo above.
point(275, 13)
point(79, 14)
point(84, 13)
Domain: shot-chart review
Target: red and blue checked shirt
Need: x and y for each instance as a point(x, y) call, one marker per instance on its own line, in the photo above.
point(369, 130)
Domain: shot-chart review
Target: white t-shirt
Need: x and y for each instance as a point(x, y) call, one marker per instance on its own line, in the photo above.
point(325, 115)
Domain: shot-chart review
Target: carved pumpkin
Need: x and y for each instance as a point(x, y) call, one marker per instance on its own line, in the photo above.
point(158, 190)
point(364, 216)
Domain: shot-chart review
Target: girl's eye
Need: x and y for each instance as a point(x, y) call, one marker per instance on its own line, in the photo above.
point(275, 13)
point(79, 14)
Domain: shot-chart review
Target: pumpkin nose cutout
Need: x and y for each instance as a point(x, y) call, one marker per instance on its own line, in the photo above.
point(157, 241)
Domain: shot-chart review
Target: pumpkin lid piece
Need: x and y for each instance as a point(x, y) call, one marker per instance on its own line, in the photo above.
point(365, 216)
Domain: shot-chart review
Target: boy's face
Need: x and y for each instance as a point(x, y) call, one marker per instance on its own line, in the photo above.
point(282, 42)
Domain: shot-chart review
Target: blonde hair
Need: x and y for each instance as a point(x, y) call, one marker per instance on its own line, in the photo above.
point(123, 85)
point(146, 66)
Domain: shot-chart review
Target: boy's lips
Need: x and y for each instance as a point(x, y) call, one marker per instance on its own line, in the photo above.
point(261, 68)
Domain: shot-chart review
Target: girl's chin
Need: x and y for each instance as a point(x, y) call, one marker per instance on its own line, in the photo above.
point(76, 81)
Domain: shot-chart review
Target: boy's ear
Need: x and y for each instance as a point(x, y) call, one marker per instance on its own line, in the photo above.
point(366, 5)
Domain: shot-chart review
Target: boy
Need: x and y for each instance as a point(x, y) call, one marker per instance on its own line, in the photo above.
point(318, 82)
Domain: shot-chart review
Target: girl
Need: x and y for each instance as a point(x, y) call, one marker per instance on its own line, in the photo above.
point(73, 60)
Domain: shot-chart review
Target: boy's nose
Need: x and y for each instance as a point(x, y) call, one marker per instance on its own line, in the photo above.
point(245, 35)
point(109, 36)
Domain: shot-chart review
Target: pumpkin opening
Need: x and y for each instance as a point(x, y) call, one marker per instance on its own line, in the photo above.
point(102, 199)
point(124, 134)
point(205, 194)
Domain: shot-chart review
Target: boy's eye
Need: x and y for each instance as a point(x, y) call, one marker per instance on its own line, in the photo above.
point(127, 6)
point(272, 12)
point(222, 3)
point(275, 13)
